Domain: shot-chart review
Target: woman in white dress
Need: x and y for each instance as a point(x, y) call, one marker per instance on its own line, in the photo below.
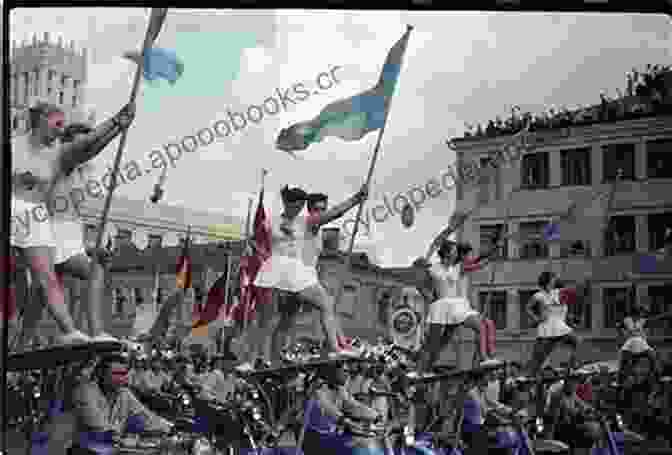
point(452, 309)
point(286, 268)
point(548, 310)
point(72, 256)
point(636, 345)
point(40, 162)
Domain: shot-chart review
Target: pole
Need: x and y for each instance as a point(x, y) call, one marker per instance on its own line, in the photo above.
point(122, 141)
point(372, 166)
point(360, 207)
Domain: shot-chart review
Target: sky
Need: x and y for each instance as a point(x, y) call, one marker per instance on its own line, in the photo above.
point(459, 67)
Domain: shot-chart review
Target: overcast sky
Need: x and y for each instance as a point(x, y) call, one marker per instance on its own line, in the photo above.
point(459, 67)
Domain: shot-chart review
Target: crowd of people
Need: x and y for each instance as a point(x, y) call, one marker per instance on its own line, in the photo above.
point(647, 93)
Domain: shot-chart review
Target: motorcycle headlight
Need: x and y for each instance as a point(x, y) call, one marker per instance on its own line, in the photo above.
point(619, 421)
point(256, 414)
point(539, 425)
point(186, 401)
point(202, 447)
point(409, 436)
point(255, 395)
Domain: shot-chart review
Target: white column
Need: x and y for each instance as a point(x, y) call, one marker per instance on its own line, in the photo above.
point(21, 84)
point(640, 160)
point(44, 74)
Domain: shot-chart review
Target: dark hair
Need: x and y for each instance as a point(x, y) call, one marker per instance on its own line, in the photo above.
point(462, 248)
point(73, 130)
point(38, 110)
point(316, 198)
point(293, 194)
point(545, 278)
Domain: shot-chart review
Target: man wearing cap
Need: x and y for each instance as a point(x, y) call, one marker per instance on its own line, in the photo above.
point(39, 160)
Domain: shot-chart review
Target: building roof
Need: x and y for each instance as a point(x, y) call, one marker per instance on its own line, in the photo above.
point(167, 217)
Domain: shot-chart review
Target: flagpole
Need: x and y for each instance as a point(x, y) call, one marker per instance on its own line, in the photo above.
point(149, 36)
point(248, 222)
point(372, 166)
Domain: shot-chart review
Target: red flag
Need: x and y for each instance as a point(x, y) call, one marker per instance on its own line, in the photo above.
point(8, 308)
point(184, 267)
point(214, 302)
point(250, 295)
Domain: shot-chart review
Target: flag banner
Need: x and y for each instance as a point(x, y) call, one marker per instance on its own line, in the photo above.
point(184, 275)
point(156, 19)
point(250, 295)
point(653, 263)
point(352, 118)
point(586, 219)
point(158, 64)
point(162, 322)
point(215, 300)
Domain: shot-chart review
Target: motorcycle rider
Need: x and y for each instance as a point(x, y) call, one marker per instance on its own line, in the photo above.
point(103, 404)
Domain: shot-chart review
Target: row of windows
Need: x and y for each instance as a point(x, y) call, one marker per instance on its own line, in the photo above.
point(620, 237)
point(618, 160)
point(51, 76)
point(616, 303)
point(124, 236)
point(121, 296)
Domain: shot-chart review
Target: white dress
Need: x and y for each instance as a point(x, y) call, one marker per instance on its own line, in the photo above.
point(286, 269)
point(451, 308)
point(555, 313)
point(30, 223)
point(636, 342)
point(66, 223)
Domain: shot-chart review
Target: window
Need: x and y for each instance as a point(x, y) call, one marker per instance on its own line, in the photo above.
point(26, 87)
point(488, 234)
point(15, 123)
point(658, 225)
point(74, 101)
point(488, 181)
point(535, 171)
point(524, 297)
point(580, 313)
point(124, 236)
point(575, 166)
point(616, 302)
point(533, 246)
point(618, 158)
point(138, 296)
point(620, 236)
point(659, 298)
point(580, 248)
point(154, 240)
point(659, 159)
point(119, 301)
point(493, 307)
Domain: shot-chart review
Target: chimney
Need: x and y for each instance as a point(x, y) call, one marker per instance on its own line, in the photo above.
point(331, 239)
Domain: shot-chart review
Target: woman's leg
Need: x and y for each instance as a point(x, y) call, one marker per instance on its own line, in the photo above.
point(542, 349)
point(40, 260)
point(80, 266)
point(480, 344)
point(432, 347)
point(573, 341)
point(318, 297)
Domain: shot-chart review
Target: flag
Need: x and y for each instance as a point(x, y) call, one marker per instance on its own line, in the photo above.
point(156, 19)
point(215, 300)
point(586, 219)
point(158, 64)
point(250, 263)
point(352, 118)
point(184, 266)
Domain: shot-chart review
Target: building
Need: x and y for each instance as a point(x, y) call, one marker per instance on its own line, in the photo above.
point(42, 70)
point(563, 164)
